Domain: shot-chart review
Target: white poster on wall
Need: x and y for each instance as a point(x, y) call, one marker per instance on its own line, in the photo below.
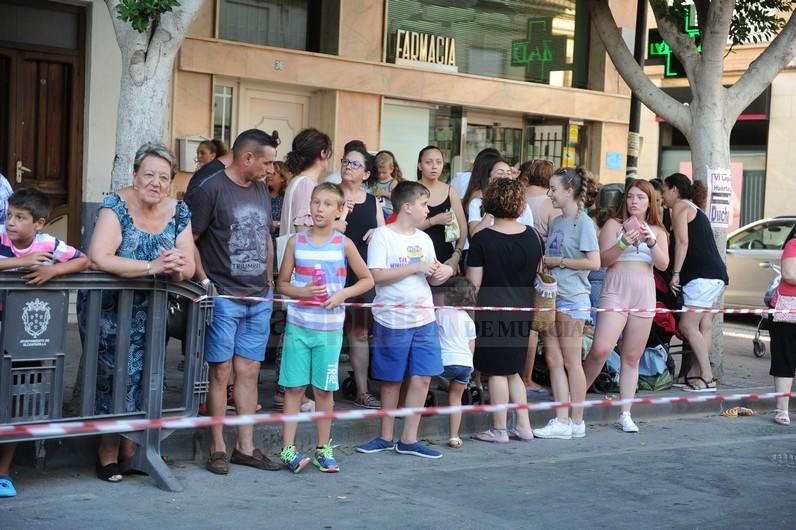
point(719, 207)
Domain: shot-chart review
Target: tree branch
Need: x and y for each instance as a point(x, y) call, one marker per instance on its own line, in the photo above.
point(681, 44)
point(762, 71)
point(653, 97)
point(717, 29)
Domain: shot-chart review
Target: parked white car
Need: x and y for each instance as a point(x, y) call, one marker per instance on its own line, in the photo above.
point(748, 247)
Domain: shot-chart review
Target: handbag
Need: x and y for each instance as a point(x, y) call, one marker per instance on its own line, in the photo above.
point(545, 291)
point(785, 302)
point(281, 241)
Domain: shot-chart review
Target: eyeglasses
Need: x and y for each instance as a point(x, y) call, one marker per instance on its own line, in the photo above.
point(356, 164)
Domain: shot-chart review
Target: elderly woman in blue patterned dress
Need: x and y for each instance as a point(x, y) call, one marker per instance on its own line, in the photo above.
point(140, 231)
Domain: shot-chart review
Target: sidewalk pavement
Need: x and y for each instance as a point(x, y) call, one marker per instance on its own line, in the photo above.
point(743, 373)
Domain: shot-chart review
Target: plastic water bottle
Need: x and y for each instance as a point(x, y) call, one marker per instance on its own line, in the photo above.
point(319, 278)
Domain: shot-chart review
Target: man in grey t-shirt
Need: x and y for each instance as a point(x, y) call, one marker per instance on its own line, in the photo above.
point(231, 221)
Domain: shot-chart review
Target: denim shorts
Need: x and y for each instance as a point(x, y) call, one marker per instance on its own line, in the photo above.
point(457, 373)
point(578, 301)
point(401, 353)
point(238, 329)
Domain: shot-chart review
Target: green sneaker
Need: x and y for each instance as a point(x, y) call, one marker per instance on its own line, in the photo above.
point(294, 460)
point(324, 459)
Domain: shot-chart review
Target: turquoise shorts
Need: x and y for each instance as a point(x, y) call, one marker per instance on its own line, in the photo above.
point(310, 357)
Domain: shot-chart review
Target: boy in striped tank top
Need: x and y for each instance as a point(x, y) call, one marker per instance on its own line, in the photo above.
point(314, 331)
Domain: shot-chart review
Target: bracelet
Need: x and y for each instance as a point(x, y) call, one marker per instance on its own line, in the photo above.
point(148, 266)
point(622, 244)
point(654, 242)
point(676, 273)
point(204, 283)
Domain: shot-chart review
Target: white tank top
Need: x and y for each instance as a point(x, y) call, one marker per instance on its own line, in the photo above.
point(631, 253)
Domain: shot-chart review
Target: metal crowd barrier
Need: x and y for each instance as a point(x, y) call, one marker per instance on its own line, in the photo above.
point(33, 338)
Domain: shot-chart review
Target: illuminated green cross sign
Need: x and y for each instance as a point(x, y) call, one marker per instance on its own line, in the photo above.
point(541, 52)
point(661, 53)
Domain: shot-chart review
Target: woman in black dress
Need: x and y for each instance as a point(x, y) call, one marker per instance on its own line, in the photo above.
point(363, 214)
point(502, 264)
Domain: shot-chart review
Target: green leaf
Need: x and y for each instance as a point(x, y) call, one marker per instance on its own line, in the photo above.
point(142, 13)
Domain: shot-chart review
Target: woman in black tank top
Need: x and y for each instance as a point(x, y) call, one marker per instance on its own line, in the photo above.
point(363, 216)
point(699, 271)
point(430, 164)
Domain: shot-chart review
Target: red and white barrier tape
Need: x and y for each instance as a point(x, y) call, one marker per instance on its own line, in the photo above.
point(728, 310)
point(120, 426)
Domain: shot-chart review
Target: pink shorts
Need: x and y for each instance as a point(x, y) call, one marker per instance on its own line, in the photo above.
point(624, 289)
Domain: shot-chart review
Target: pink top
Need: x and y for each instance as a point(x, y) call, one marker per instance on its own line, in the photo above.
point(41, 243)
point(785, 288)
point(299, 193)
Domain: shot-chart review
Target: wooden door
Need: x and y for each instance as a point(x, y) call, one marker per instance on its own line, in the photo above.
point(41, 103)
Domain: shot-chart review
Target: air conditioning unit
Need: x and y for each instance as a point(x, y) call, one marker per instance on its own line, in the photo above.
point(186, 152)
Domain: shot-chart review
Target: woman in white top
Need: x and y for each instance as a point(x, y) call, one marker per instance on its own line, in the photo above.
point(536, 174)
point(630, 248)
point(493, 168)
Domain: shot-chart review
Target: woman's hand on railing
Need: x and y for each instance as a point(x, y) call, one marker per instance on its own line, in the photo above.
point(172, 262)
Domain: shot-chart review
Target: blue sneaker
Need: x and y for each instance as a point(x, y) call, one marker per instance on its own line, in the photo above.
point(324, 459)
point(7, 487)
point(417, 449)
point(376, 445)
point(294, 460)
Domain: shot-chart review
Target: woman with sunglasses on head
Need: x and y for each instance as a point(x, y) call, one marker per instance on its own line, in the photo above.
point(444, 208)
point(362, 215)
point(630, 247)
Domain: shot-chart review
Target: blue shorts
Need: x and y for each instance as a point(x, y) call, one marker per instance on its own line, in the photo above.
point(457, 373)
point(578, 301)
point(238, 329)
point(401, 353)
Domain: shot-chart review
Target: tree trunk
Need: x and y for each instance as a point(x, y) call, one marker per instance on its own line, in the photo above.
point(142, 116)
point(145, 88)
point(710, 149)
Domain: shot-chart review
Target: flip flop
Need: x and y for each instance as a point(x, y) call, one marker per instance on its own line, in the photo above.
point(514, 434)
point(704, 389)
point(7, 487)
point(490, 436)
point(537, 392)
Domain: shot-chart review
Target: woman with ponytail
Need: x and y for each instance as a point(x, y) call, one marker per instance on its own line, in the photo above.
point(572, 251)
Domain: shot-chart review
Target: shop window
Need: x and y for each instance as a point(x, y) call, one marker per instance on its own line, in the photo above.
point(526, 40)
point(309, 25)
point(222, 114)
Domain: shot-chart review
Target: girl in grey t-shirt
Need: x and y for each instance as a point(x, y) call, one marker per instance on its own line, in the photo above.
point(572, 251)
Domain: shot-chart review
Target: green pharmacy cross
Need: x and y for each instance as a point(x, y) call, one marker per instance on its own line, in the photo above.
point(661, 53)
point(541, 52)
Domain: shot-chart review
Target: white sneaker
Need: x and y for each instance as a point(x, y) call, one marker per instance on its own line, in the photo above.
point(625, 422)
point(578, 429)
point(554, 429)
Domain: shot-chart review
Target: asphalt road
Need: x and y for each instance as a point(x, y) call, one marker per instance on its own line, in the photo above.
point(697, 472)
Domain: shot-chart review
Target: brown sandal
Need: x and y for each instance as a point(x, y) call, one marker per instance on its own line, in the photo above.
point(257, 460)
point(218, 463)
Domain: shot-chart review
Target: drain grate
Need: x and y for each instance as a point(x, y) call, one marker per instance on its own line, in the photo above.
point(784, 459)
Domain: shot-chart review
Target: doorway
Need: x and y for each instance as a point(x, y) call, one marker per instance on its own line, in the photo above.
point(41, 104)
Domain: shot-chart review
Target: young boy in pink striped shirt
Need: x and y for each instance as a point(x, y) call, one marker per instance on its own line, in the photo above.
point(314, 333)
point(24, 246)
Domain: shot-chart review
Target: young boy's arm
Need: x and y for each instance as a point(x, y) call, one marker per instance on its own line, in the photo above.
point(360, 268)
point(25, 262)
point(396, 274)
point(283, 285)
point(45, 273)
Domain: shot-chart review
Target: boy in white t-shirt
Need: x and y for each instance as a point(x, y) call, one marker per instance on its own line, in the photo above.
point(405, 340)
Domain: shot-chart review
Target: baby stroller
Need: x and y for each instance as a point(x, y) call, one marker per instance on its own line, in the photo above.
point(758, 346)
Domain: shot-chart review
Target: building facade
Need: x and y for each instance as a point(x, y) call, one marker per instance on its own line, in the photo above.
point(527, 77)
